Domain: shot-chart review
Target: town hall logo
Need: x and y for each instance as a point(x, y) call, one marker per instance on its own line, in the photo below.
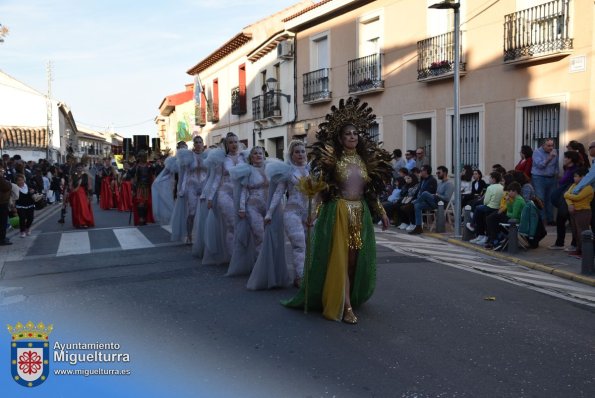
point(29, 348)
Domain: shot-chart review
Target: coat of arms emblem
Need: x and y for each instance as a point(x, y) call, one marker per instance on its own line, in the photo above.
point(29, 349)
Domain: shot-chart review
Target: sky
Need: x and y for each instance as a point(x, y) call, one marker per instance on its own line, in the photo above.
point(113, 61)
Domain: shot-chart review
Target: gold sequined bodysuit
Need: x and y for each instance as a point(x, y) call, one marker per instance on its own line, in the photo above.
point(352, 175)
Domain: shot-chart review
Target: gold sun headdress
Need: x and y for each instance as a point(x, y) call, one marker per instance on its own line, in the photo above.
point(348, 112)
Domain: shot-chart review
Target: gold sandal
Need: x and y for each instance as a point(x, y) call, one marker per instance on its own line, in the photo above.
point(349, 316)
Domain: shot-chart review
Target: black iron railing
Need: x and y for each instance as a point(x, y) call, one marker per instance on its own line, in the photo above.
point(272, 104)
point(436, 55)
point(212, 111)
point(365, 73)
point(238, 100)
point(257, 107)
point(316, 85)
point(537, 30)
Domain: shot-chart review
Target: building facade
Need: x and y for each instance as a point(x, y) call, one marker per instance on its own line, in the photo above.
point(525, 68)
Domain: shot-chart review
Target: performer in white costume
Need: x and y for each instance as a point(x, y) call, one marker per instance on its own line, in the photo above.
point(194, 180)
point(295, 216)
point(162, 191)
point(179, 218)
point(222, 187)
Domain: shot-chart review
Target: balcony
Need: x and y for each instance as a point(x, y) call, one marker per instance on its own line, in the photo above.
point(436, 57)
point(212, 111)
point(365, 74)
point(538, 32)
point(200, 117)
point(238, 101)
point(316, 86)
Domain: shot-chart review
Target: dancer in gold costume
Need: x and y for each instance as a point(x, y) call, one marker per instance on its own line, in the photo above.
point(342, 267)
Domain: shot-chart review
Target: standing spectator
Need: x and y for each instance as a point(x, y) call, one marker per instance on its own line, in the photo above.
point(420, 158)
point(543, 175)
point(398, 162)
point(570, 165)
point(25, 206)
point(589, 179)
point(410, 159)
point(580, 149)
point(5, 190)
point(579, 207)
point(526, 163)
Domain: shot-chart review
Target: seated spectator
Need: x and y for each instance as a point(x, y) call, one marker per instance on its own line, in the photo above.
point(491, 204)
point(404, 206)
point(394, 197)
point(579, 207)
point(428, 196)
point(527, 190)
point(526, 162)
point(514, 207)
point(478, 187)
point(398, 162)
point(498, 168)
point(403, 171)
point(466, 179)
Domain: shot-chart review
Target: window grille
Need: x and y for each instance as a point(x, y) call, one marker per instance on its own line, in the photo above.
point(540, 123)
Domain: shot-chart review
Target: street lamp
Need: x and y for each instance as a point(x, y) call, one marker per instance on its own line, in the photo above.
point(271, 84)
point(452, 5)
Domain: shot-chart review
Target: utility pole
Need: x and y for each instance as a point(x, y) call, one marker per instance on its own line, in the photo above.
point(49, 111)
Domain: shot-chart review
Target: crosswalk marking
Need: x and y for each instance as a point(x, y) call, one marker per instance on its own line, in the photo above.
point(132, 238)
point(74, 243)
point(463, 258)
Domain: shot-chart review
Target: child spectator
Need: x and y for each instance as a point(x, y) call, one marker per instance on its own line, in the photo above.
point(579, 207)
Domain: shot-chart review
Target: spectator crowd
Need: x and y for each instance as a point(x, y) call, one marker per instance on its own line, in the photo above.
point(535, 193)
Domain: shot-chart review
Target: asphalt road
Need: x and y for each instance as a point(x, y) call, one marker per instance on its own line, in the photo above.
point(428, 331)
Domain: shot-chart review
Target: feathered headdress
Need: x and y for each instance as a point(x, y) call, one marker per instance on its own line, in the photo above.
point(328, 149)
point(348, 112)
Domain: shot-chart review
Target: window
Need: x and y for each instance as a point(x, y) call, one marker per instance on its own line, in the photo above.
point(540, 123)
point(370, 34)
point(469, 139)
point(319, 51)
point(374, 132)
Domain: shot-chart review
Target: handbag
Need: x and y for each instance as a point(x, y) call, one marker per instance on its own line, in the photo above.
point(37, 197)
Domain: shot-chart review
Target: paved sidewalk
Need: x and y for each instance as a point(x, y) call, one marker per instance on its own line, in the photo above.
point(555, 262)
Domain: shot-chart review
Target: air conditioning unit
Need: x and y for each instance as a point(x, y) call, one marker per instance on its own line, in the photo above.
point(285, 49)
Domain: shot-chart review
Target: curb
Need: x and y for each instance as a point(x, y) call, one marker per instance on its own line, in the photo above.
point(529, 264)
point(44, 214)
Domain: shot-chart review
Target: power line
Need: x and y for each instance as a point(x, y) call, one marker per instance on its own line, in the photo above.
point(115, 126)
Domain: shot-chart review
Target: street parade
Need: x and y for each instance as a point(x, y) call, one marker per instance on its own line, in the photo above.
point(297, 198)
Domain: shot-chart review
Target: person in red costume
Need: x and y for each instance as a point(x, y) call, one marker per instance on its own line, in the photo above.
point(80, 199)
point(125, 202)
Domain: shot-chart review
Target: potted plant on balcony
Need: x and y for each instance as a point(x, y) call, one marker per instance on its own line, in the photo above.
point(440, 67)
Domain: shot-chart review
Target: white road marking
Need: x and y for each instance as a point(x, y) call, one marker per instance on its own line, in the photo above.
point(74, 243)
point(132, 238)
